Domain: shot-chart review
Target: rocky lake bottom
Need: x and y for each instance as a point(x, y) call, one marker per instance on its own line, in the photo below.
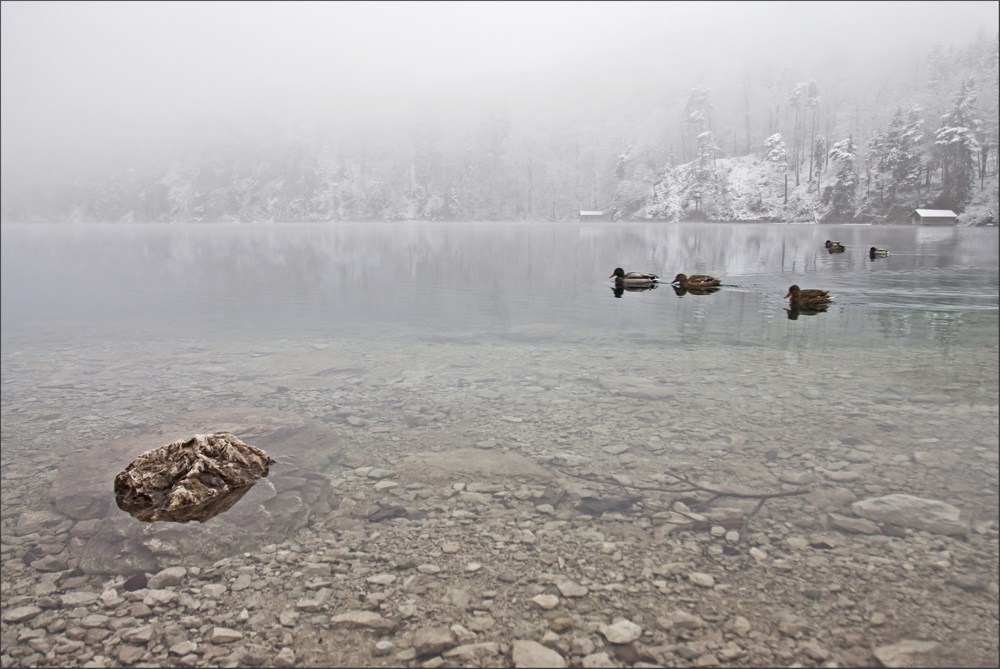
point(533, 498)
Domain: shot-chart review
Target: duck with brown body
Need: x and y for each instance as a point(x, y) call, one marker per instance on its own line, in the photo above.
point(802, 297)
point(695, 281)
point(834, 247)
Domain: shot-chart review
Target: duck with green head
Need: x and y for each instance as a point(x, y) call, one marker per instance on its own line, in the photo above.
point(877, 253)
point(624, 278)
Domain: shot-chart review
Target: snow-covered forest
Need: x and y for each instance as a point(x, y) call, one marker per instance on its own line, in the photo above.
point(864, 141)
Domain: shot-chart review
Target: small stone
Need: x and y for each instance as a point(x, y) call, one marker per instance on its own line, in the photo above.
point(547, 602)
point(621, 631)
point(213, 590)
point(362, 619)
point(130, 654)
point(167, 577)
point(21, 613)
point(906, 653)
point(183, 648)
point(597, 660)
point(285, 658)
point(572, 589)
point(702, 579)
point(77, 598)
point(381, 579)
point(527, 653)
point(225, 635)
point(432, 640)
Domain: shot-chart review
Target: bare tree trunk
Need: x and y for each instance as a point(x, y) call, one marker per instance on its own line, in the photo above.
point(812, 141)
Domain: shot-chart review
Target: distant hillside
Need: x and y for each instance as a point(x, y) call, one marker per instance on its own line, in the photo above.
point(750, 188)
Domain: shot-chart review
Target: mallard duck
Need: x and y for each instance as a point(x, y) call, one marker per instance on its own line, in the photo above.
point(834, 247)
point(809, 296)
point(877, 253)
point(696, 281)
point(633, 278)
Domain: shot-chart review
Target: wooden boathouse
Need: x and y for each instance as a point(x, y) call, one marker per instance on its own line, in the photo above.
point(933, 217)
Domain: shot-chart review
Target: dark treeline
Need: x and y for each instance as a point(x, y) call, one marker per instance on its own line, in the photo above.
point(919, 132)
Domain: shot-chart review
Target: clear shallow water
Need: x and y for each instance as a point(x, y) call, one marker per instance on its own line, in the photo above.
point(508, 338)
point(111, 328)
point(108, 329)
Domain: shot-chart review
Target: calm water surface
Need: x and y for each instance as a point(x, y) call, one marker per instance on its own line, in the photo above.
point(297, 281)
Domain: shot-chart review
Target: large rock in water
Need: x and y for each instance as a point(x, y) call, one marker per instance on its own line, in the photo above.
point(193, 479)
point(296, 490)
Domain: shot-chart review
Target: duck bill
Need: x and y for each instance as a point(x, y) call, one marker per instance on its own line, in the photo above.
point(788, 294)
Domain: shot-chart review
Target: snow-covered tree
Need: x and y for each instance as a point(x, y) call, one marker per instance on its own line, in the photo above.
point(818, 155)
point(698, 112)
point(958, 147)
point(812, 102)
point(796, 100)
point(774, 149)
point(703, 182)
point(623, 161)
point(844, 157)
point(875, 162)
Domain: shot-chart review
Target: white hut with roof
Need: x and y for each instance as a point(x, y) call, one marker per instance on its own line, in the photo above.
point(933, 217)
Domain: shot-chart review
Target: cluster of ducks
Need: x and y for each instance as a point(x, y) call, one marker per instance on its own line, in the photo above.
point(801, 300)
point(697, 284)
point(837, 247)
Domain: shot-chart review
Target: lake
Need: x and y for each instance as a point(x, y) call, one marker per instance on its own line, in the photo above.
point(411, 339)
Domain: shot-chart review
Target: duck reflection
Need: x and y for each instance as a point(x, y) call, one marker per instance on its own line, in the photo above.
point(619, 289)
point(681, 291)
point(805, 310)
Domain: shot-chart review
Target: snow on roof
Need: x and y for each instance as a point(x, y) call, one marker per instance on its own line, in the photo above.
point(924, 213)
point(591, 213)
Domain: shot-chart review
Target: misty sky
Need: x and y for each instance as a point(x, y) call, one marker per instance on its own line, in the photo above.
point(78, 76)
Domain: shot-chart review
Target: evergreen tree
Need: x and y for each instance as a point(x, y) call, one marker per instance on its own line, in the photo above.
point(958, 147)
point(844, 157)
point(875, 163)
point(774, 149)
point(818, 156)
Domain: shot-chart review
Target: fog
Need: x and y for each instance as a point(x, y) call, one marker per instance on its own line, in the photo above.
point(85, 81)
